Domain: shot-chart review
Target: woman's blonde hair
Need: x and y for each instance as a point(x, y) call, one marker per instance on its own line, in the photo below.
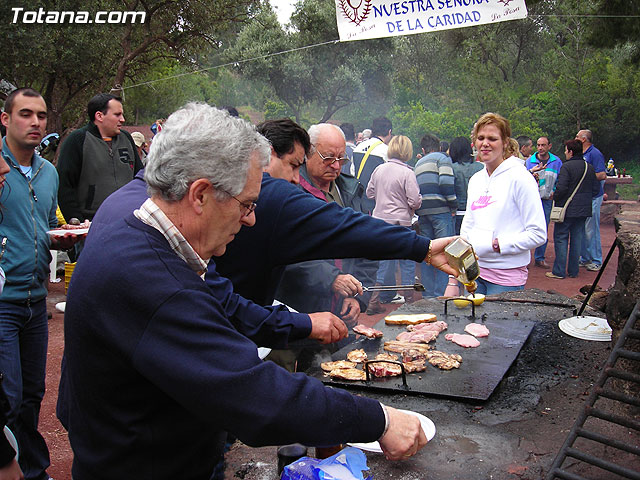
point(501, 123)
point(400, 147)
point(496, 119)
point(513, 148)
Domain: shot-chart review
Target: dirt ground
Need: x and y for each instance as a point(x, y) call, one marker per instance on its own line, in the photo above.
point(449, 434)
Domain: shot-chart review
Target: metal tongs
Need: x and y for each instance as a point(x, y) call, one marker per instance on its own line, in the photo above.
point(418, 287)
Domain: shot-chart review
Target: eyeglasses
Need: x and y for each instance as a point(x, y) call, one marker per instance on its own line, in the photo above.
point(247, 207)
point(331, 160)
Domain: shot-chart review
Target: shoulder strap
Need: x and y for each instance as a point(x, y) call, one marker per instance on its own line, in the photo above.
point(577, 186)
point(366, 156)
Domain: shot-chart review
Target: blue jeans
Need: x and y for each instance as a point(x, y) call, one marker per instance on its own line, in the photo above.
point(458, 223)
point(24, 333)
point(489, 288)
point(540, 251)
point(387, 276)
point(568, 235)
point(435, 226)
point(591, 246)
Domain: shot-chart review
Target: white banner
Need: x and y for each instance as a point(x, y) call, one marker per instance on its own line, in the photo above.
point(363, 19)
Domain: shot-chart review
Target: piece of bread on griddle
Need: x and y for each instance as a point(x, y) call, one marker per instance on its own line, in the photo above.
point(410, 319)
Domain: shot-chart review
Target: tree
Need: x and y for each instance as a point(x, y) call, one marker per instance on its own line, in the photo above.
point(326, 78)
point(69, 63)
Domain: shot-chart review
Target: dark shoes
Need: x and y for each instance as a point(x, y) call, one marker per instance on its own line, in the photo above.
point(375, 307)
point(541, 264)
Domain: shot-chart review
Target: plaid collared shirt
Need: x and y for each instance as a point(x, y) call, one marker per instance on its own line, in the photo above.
point(151, 214)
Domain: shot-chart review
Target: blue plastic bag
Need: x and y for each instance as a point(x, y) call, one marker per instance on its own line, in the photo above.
point(347, 464)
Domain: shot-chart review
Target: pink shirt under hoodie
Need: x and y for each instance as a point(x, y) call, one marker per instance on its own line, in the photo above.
point(394, 187)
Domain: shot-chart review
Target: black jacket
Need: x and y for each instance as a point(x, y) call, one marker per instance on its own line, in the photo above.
point(91, 169)
point(569, 176)
point(306, 286)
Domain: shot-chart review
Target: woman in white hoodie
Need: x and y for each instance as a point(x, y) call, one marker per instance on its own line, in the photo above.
point(504, 219)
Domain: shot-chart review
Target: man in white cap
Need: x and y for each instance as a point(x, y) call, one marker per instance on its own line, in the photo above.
point(141, 146)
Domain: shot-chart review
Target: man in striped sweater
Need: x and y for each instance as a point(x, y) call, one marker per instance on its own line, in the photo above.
point(434, 172)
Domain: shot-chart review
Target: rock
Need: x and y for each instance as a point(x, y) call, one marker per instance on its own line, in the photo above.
point(625, 292)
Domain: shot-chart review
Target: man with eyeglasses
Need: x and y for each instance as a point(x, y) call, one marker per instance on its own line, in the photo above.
point(329, 285)
point(156, 369)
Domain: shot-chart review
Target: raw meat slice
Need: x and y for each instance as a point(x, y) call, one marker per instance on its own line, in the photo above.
point(357, 356)
point(477, 330)
point(438, 326)
point(417, 337)
point(466, 341)
point(367, 332)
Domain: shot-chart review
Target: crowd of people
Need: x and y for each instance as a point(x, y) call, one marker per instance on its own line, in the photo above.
point(195, 241)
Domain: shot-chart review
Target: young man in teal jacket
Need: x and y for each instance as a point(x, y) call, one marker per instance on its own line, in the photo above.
point(29, 200)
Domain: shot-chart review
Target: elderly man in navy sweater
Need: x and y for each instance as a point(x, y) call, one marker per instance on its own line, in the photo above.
point(155, 368)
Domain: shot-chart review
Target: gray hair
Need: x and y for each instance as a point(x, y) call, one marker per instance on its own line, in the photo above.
point(316, 130)
point(200, 141)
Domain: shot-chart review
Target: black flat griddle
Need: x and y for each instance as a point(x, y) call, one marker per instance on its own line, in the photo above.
point(481, 370)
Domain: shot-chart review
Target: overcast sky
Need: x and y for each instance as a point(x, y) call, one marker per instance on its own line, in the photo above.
point(284, 9)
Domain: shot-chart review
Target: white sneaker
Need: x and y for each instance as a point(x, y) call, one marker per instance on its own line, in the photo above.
point(397, 299)
point(593, 267)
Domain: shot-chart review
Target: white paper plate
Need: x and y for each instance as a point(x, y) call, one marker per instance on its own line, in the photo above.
point(12, 440)
point(61, 232)
point(428, 427)
point(61, 306)
point(586, 328)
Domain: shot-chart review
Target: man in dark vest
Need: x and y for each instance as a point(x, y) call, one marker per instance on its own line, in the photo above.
point(96, 160)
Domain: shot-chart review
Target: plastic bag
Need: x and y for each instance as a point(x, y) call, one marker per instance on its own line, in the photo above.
point(347, 464)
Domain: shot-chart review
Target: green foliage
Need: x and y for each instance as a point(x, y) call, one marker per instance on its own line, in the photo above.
point(273, 109)
point(157, 99)
point(415, 121)
point(69, 63)
point(315, 83)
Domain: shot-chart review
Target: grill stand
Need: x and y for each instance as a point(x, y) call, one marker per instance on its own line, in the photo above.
point(579, 431)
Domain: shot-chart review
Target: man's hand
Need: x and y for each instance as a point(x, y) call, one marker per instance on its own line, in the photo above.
point(438, 258)
point(67, 241)
point(404, 437)
point(350, 309)
point(11, 471)
point(327, 328)
point(346, 285)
